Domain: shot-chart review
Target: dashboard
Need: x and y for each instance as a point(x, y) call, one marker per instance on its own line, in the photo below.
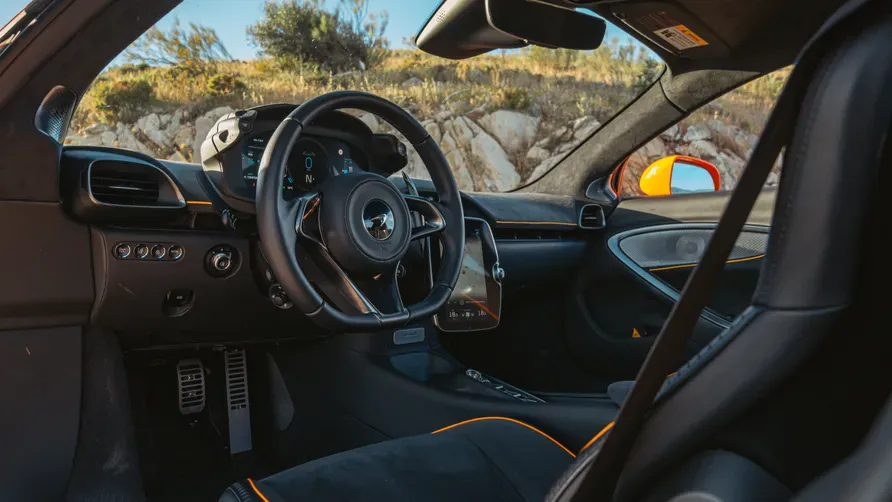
point(175, 248)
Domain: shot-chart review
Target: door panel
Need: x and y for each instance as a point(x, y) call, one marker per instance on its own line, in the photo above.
point(633, 274)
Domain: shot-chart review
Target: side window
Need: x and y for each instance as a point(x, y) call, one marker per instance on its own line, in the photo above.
point(722, 133)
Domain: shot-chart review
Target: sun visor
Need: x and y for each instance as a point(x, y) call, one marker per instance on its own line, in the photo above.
point(672, 28)
point(460, 29)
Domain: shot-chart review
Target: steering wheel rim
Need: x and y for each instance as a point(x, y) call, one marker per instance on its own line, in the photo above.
point(291, 241)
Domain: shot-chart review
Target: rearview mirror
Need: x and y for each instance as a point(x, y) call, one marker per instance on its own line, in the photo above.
point(680, 174)
point(460, 29)
point(545, 24)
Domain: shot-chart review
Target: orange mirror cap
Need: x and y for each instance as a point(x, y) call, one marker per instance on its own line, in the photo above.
point(656, 179)
point(708, 166)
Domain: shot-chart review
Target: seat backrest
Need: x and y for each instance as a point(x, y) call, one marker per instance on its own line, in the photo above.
point(808, 282)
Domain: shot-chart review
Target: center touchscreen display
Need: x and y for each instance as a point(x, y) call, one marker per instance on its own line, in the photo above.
point(476, 299)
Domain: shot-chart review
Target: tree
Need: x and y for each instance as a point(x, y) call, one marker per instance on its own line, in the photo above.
point(195, 48)
point(304, 31)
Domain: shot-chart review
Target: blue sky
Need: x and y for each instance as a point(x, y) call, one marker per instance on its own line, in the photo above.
point(231, 17)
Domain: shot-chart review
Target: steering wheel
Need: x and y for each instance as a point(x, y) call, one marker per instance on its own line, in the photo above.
point(336, 251)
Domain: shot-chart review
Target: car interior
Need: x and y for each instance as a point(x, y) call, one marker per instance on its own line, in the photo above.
point(227, 330)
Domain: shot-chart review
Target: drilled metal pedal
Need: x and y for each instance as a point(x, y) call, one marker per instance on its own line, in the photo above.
point(191, 386)
point(237, 401)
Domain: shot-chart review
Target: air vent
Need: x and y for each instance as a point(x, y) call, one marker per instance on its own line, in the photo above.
point(132, 184)
point(237, 379)
point(591, 217)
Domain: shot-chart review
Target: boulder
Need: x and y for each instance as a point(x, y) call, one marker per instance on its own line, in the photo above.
point(412, 82)
point(460, 130)
point(514, 130)
point(584, 127)
point(218, 112)
point(128, 140)
point(433, 129)
point(672, 134)
point(203, 126)
point(457, 162)
point(718, 127)
point(184, 138)
point(730, 167)
point(370, 120)
point(537, 154)
point(109, 138)
point(565, 147)
point(773, 179)
point(544, 167)
point(150, 125)
point(96, 129)
point(697, 132)
point(497, 171)
point(558, 135)
point(703, 149)
point(654, 149)
point(443, 115)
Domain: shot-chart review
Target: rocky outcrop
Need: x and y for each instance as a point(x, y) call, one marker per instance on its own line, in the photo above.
point(494, 151)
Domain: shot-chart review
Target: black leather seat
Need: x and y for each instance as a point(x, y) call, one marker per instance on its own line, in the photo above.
point(484, 459)
point(808, 297)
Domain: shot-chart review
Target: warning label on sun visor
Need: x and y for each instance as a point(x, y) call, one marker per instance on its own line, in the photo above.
point(681, 37)
point(669, 30)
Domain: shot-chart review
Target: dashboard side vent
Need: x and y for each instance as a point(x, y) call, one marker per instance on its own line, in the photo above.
point(133, 184)
point(591, 217)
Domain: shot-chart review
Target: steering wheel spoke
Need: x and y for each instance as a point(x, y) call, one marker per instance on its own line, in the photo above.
point(432, 221)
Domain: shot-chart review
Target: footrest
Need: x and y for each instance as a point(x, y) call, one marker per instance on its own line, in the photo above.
point(237, 402)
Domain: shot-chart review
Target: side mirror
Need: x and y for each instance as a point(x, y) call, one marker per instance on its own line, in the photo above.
point(680, 174)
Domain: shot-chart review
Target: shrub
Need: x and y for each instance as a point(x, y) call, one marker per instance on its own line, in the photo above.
point(512, 98)
point(304, 31)
point(194, 49)
point(225, 83)
point(121, 100)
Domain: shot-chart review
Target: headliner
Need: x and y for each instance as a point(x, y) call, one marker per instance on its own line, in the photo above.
point(759, 35)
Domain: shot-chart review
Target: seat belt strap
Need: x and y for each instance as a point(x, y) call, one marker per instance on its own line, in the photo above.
point(597, 481)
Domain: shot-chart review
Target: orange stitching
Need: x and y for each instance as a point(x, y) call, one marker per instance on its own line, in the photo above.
point(263, 498)
point(518, 422)
point(597, 436)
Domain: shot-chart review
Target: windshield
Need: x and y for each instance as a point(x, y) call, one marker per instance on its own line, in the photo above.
point(502, 119)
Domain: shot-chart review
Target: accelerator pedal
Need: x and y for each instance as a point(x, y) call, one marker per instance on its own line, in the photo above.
point(191, 386)
point(237, 401)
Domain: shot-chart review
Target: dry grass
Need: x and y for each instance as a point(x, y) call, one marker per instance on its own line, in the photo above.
point(592, 84)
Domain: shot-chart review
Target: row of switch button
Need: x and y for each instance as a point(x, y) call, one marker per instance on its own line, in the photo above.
point(150, 251)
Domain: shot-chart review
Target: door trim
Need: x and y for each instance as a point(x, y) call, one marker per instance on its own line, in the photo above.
point(613, 243)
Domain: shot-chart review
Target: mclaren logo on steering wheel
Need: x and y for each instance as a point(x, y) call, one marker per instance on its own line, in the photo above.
point(378, 219)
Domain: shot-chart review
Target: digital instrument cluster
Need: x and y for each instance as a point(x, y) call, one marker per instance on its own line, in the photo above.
point(311, 162)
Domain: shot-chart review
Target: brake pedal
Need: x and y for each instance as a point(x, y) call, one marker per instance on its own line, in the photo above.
point(237, 402)
point(190, 383)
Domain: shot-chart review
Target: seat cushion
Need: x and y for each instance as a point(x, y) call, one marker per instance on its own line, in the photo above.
point(482, 459)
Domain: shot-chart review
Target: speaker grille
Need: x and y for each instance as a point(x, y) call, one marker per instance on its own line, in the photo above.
point(666, 248)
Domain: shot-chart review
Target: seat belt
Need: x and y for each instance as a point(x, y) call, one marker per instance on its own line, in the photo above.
point(597, 481)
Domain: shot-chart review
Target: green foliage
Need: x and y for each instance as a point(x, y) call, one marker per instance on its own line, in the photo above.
point(223, 84)
point(196, 49)
point(304, 32)
point(121, 100)
point(555, 59)
point(512, 98)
